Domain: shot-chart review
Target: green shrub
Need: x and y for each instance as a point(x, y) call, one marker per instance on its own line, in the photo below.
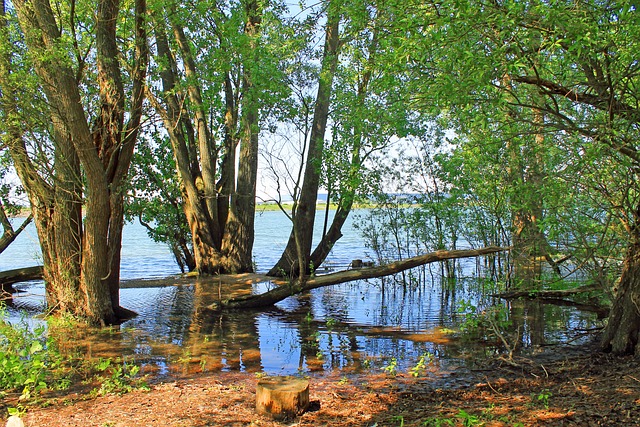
point(28, 359)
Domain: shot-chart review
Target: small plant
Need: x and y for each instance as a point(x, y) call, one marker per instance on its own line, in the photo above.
point(331, 322)
point(399, 419)
point(29, 359)
point(185, 359)
point(438, 422)
point(312, 269)
point(392, 367)
point(491, 323)
point(421, 366)
point(467, 419)
point(543, 398)
point(18, 411)
point(117, 378)
point(344, 380)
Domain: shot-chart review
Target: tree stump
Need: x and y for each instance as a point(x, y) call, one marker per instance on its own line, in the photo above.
point(282, 397)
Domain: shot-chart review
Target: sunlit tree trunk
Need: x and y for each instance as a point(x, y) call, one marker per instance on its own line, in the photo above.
point(219, 188)
point(81, 260)
point(239, 232)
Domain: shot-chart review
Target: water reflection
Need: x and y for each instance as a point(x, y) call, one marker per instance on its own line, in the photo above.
point(351, 327)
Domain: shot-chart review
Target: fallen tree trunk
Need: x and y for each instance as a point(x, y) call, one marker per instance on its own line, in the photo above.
point(284, 291)
point(9, 277)
point(549, 293)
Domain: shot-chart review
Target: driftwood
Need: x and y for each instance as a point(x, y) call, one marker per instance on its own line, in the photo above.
point(9, 277)
point(281, 292)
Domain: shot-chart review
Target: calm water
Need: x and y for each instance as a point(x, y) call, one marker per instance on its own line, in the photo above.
point(350, 327)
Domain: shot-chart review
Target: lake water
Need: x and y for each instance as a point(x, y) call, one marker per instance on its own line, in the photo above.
point(366, 325)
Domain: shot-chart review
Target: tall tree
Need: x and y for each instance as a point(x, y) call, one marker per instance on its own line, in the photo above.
point(211, 102)
point(85, 135)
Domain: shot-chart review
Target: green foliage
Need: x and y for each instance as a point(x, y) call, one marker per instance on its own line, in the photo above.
point(467, 419)
point(399, 419)
point(542, 398)
point(422, 364)
point(438, 422)
point(117, 377)
point(29, 360)
point(486, 323)
point(392, 367)
point(154, 198)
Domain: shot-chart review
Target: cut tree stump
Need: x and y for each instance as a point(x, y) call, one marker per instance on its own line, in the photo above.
point(282, 397)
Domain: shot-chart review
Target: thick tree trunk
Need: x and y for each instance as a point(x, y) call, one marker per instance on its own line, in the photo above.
point(284, 291)
point(296, 256)
point(239, 231)
point(622, 333)
point(80, 263)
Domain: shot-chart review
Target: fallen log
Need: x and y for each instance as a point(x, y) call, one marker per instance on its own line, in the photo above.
point(546, 293)
point(9, 277)
point(295, 287)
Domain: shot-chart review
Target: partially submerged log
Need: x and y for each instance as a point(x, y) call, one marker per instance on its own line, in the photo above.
point(9, 277)
point(282, 397)
point(546, 293)
point(284, 291)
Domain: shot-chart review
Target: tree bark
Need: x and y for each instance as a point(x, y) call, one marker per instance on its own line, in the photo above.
point(296, 287)
point(82, 261)
point(622, 334)
point(219, 205)
point(239, 231)
point(282, 397)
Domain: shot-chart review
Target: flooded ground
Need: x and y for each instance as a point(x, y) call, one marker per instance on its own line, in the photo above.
point(368, 326)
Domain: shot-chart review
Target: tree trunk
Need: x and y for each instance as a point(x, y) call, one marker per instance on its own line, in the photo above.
point(296, 256)
point(81, 265)
point(622, 333)
point(239, 230)
point(296, 287)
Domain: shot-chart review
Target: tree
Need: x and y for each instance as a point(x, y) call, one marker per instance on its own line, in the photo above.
point(83, 135)
point(579, 60)
point(296, 256)
point(353, 101)
point(210, 103)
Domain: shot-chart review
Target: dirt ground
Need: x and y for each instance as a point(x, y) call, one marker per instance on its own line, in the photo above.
point(561, 388)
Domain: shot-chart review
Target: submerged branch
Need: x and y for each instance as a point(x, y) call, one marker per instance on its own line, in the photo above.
point(284, 291)
point(550, 293)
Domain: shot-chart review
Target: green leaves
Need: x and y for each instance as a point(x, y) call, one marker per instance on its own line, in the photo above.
point(27, 358)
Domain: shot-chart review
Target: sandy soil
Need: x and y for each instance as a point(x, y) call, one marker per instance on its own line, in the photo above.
point(560, 388)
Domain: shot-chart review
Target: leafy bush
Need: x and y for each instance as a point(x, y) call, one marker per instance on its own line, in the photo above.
point(28, 359)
